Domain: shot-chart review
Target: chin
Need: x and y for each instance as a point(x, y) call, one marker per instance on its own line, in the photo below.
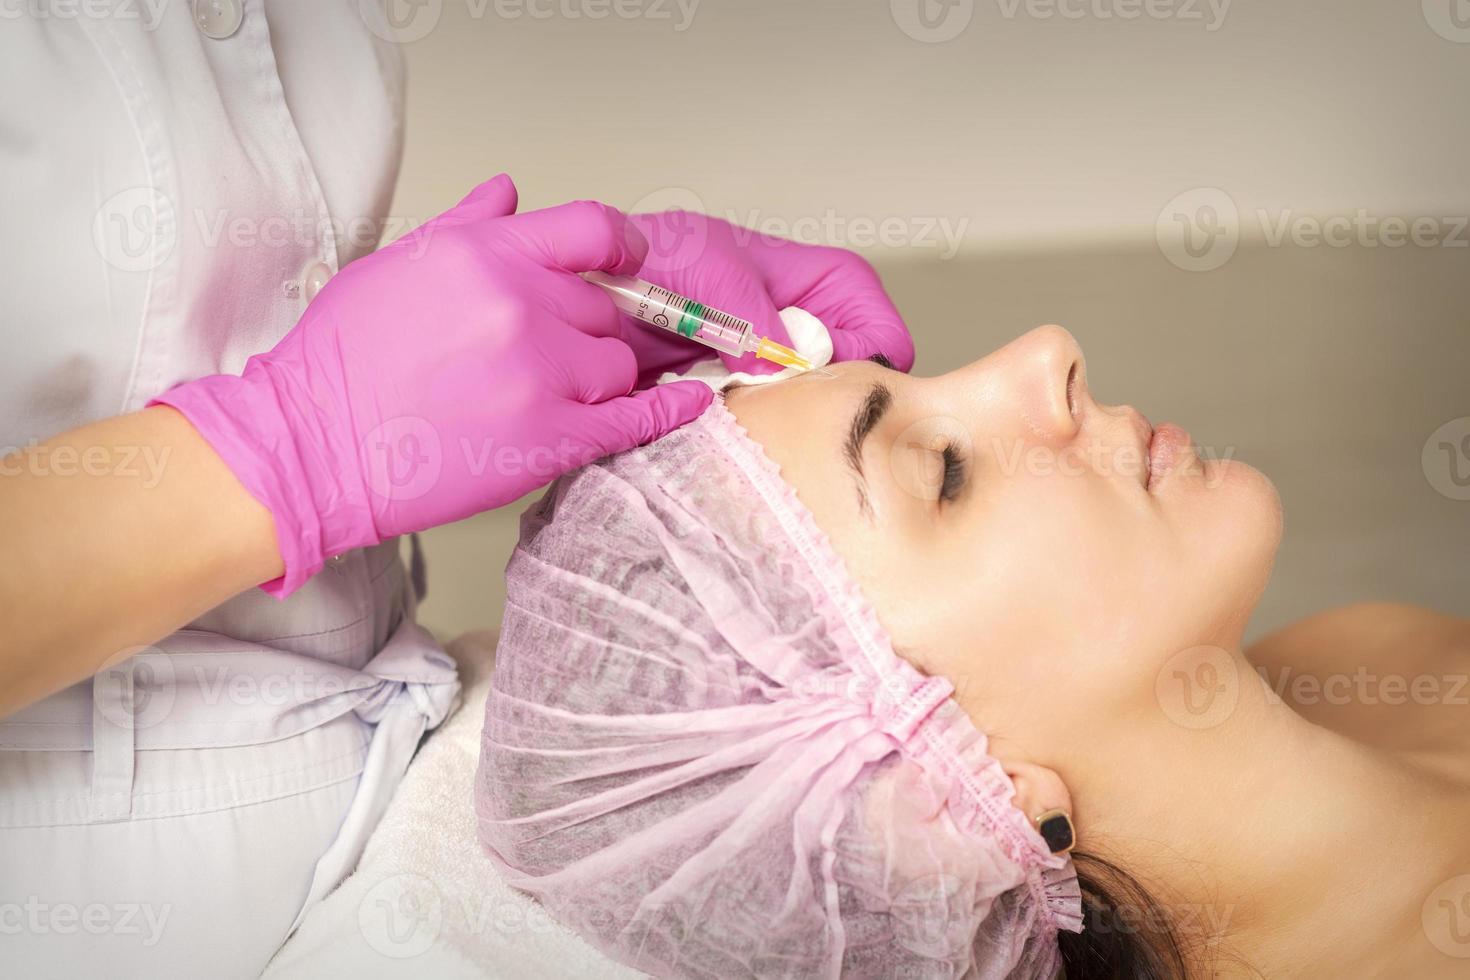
point(1248, 518)
point(1254, 493)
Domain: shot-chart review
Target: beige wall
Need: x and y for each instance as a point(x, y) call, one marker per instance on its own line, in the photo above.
point(1022, 130)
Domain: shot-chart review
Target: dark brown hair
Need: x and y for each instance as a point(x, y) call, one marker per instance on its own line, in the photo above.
point(1126, 934)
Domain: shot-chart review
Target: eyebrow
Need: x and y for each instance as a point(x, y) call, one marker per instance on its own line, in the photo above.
point(869, 413)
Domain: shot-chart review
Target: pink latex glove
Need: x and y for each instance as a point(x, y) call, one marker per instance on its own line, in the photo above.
point(453, 371)
point(753, 276)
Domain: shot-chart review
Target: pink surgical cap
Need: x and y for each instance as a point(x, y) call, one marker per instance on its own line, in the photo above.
point(702, 753)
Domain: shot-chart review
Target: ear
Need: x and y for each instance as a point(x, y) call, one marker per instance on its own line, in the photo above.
point(1039, 790)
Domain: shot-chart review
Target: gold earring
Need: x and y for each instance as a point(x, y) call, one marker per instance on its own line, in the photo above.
point(1055, 827)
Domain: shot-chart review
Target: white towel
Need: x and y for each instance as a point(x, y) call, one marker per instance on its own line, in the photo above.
point(424, 901)
point(809, 338)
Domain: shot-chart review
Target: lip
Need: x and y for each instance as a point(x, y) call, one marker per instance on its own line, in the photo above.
point(1169, 443)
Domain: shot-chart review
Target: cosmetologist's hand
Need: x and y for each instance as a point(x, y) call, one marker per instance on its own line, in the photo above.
point(450, 372)
point(753, 276)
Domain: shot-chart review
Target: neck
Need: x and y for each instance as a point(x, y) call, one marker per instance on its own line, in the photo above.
point(1272, 843)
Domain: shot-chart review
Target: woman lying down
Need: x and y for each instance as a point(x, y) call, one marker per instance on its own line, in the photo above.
point(831, 681)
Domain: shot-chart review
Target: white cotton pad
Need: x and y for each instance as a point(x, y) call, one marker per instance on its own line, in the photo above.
point(809, 338)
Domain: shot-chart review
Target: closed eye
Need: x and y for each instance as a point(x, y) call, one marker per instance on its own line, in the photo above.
point(953, 479)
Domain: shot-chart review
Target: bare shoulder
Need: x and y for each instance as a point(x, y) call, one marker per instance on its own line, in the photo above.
point(1381, 634)
point(1388, 674)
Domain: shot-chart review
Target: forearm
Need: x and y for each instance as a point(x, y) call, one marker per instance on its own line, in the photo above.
point(116, 534)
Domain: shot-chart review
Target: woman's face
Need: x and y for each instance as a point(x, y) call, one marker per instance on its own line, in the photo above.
point(1046, 553)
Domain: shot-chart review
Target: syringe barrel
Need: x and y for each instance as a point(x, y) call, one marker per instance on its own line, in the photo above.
point(666, 310)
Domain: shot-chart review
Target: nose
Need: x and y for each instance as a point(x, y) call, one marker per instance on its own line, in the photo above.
point(1039, 379)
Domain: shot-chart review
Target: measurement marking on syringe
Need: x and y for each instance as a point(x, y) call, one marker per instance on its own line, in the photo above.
point(664, 309)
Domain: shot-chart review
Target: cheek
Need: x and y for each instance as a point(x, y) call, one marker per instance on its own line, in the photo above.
point(1030, 566)
point(1049, 578)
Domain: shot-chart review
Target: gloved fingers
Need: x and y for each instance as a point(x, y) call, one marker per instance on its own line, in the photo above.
point(582, 236)
point(863, 336)
point(678, 239)
point(574, 300)
point(843, 290)
point(619, 424)
point(659, 351)
point(495, 198)
point(862, 320)
point(594, 369)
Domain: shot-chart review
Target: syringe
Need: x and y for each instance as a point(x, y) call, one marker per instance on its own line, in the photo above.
point(666, 310)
